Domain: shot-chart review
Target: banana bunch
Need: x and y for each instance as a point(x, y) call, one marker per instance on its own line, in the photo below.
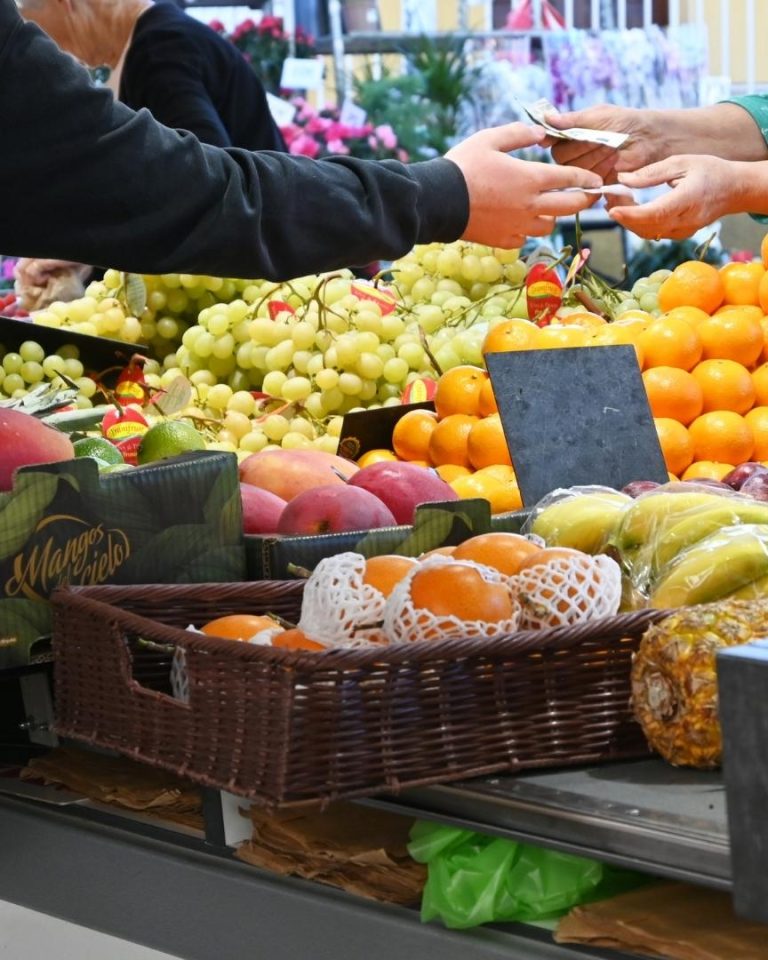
point(581, 518)
point(732, 562)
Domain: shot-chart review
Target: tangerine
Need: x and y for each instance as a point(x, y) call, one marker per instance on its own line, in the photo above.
point(487, 402)
point(295, 639)
point(238, 626)
point(384, 572)
point(707, 470)
point(458, 391)
point(513, 334)
point(676, 444)
point(486, 444)
point(764, 326)
point(670, 343)
point(692, 315)
point(554, 337)
point(449, 439)
point(692, 284)
point(757, 420)
point(762, 293)
point(723, 436)
point(673, 393)
point(732, 335)
point(459, 590)
point(379, 455)
point(411, 433)
point(581, 318)
point(505, 495)
point(760, 380)
point(726, 385)
point(547, 554)
point(747, 309)
point(452, 471)
point(764, 251)
point(619, 334)
point(741, 282)
point(502, 551)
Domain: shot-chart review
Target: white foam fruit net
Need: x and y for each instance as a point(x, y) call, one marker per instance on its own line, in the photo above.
point(405, 623)
point(337, 603)
point(567, 590)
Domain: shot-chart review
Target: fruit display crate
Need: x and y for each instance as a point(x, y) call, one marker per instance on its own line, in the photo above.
point(288, 727)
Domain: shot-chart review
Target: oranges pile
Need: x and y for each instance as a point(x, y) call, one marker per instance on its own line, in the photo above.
point(462, 439)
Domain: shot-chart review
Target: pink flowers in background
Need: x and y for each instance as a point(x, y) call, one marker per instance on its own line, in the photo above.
point(322, 134)
point(265, 45)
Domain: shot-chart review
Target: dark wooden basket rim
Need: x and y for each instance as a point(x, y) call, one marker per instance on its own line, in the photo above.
point(499, 647)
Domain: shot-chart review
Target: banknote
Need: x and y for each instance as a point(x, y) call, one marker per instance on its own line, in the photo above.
point(542, 108)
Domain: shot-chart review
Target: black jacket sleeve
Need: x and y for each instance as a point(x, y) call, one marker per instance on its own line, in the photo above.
point(87, 179)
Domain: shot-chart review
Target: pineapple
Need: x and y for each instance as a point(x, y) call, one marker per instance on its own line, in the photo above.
point(674, 681)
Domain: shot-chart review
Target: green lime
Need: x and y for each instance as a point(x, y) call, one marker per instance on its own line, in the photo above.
point(99, 448)
point(115, 468)
point(168, 439)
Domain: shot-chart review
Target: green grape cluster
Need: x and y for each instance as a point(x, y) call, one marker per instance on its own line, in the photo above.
point(29, 366)
point(644, 294)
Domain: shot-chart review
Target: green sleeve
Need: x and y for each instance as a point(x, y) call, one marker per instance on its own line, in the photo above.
point(756, 106)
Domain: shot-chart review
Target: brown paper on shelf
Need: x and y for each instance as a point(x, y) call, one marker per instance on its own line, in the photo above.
point(675, 921)
point(119, 781)
point(360, 850)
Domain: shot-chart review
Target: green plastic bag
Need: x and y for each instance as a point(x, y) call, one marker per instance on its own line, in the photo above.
point(473, 878)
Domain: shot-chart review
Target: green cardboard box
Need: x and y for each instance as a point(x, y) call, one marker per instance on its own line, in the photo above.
point(175, 521)
point(436, 525)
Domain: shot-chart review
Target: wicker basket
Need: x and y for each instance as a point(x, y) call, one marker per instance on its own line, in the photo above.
point(289, 727)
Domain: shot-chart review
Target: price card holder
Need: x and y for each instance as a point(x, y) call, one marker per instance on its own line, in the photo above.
point(575, 416)
point(372, 429)
point(301, 74)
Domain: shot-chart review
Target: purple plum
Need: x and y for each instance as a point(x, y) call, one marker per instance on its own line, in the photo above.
point(636, 488)
point(739, 475)
point(756, 486)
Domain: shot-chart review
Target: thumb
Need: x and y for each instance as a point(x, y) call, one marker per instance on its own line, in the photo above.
point(514, 136)
point(562, 121)
point(654, 174)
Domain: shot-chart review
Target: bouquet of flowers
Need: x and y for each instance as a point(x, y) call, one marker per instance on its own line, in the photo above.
point(322, 133)
point(265, 45)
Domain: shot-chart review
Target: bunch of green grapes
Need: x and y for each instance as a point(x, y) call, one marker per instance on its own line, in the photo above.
point(29, 366)
point(645, 294)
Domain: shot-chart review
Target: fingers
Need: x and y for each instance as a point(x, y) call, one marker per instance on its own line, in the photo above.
point(560, 178)
point(577, 118)
point(513, 136)
point(559, 204)
point(654, 174)
point(659, 218)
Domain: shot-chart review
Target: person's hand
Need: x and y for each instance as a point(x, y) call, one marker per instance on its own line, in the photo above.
point(34, 272)
point(39, 283)
point(645, 144)
point(703, 189)
point(511, 199)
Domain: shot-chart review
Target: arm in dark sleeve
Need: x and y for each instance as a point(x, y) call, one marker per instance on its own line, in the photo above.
point(94, 182)
point(179, 100)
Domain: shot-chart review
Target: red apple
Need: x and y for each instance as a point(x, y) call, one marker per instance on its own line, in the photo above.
point(25, 440)
point(403, 487)
point(261, 509)
point(334, 509)
point(740, 474)
point(287, 473)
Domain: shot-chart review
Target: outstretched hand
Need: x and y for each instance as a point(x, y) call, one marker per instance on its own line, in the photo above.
point(510, 199)
point(703, 189)
point(645, 144)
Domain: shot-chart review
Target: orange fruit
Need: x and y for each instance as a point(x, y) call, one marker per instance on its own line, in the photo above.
point(670, 343)
point(762, 293)
point(637, 317)
point(456, 590)
point(442, 551)
point(676, 444)
point(764, 355)
point(732, 335)
point(379, 455)
point(673, 393)
point(295, 639)
point(545, 554)
point(760, 380)
point(722, 436)
point(458, 391)
point(692, 284)
point(726, 385)
point(486, 404)
point(411, 433)
point(749, 310)
point(757, 420)
point(386, 571)
point(449, 439)
point(514, 334)
point(707, 470)
point(553, 337)
point(503, 493)
point(692, 315)
point(487, 444)
point(451, 471)
point(238, 626)
point(502, 551)
point(741, 282)
point(619, 334)
point(581, 318)
point(764, 251)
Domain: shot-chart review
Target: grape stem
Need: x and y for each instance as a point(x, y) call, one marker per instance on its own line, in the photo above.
point(430, 356)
